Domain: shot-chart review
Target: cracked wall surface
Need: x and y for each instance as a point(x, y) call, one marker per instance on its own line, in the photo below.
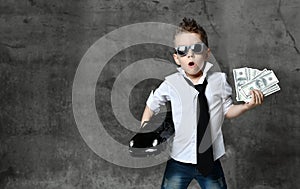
point(42, 43)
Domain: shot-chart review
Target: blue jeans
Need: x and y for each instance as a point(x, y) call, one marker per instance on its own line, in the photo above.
point(179, 175)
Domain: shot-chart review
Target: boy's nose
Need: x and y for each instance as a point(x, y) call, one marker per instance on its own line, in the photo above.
point(190, 53)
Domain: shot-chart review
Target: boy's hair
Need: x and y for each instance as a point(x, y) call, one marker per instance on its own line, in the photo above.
point(190, 25)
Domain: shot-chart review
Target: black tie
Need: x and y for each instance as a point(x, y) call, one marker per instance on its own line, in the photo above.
point(205, 160)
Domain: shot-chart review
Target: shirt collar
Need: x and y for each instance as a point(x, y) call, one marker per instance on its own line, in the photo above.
point(206, 67)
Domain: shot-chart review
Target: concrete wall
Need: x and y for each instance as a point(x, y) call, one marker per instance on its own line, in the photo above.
point(42, 43)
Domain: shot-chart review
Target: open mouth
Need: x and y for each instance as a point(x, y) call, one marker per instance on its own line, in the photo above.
point(191, 64)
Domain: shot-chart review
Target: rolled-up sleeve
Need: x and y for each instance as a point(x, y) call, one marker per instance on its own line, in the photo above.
point(159, 97)
point(226, 95)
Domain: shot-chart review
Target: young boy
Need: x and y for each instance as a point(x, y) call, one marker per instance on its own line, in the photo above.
point(200, 99)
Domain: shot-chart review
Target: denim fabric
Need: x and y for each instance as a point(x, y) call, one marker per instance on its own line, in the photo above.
point(179, 175)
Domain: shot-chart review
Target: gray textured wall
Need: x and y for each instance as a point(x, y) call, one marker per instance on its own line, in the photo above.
point(42, 43)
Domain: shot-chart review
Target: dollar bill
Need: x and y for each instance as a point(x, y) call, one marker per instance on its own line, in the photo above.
point(252, 73)
point(271, 90)
point(240, 78)
point(247, 79)
point(261, 82)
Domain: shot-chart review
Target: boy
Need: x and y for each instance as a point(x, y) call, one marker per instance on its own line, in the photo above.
point(200, 99)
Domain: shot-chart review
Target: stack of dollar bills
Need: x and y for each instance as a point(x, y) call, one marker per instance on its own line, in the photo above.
point(247, 79)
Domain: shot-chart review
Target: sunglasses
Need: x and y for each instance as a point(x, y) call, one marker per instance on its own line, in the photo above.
point(197, 48)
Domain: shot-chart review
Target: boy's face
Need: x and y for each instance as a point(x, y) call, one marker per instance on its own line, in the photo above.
point(191, 61)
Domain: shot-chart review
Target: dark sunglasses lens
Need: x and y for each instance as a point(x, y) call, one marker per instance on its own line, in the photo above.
point(182, 51)
point(198, 48)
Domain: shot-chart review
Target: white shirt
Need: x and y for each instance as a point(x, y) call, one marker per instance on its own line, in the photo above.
point(184, 99)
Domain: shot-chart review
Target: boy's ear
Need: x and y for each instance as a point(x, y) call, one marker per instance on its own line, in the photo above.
point(207, 54)
point(176, 59)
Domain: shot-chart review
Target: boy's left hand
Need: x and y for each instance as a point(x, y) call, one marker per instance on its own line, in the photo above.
point(257, 98)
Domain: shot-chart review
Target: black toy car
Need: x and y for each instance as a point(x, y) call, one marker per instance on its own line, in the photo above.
point(152, 138)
